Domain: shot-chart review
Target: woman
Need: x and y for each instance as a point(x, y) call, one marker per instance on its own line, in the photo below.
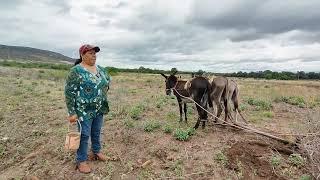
point(86, 98)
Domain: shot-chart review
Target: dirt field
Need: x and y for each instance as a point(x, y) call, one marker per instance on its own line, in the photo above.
point(140, 133)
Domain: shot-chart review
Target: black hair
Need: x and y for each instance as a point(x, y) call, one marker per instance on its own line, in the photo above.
point(78, 61)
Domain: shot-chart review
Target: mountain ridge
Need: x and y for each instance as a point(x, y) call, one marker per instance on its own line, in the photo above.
point(21, 53)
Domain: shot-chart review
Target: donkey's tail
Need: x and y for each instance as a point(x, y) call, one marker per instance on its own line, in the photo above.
point(227, 96)
point(209, 91)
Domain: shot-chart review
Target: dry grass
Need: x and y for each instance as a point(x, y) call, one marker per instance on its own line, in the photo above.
point(311, 144)
point(140, 127)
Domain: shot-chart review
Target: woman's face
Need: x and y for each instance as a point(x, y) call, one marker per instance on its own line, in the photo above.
point(89, 57)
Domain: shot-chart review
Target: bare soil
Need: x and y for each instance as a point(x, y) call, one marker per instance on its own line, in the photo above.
point(33, 127)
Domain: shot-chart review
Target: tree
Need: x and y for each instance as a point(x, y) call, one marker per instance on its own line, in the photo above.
point(173, 70)
point(200, 72)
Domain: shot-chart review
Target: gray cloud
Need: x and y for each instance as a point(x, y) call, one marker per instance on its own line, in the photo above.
point(10, 4)
point(269, 17)
point(210, 35)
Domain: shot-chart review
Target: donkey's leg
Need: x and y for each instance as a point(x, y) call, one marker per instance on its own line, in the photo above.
point(185, 112)
point(226, 110)
point(180, 109)
point(236, 106)
point(203, 124)
point(219, 111)
point(204, 116)
point(198, 123)
point(199, 110)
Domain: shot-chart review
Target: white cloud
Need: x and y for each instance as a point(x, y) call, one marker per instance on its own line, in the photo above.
point(189, 35)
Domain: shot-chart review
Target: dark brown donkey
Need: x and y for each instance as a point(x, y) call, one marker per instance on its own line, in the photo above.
point(198, 88)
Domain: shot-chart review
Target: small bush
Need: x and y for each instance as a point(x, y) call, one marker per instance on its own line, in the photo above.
point(191, 131)
point(136, 111)
point(275, 160)
point(259, 104)
point(221, 158)
point(305, 177)
point(293, 100)
point(112, 71)
point(296, 160)
point(181, 135)
point(190, 111)
point(128, 123)
point(161, 101)
point(167, 129)
point(268, 114)
point(243, 107)
point(2, 150)
point(151, 126)
point(172, 116)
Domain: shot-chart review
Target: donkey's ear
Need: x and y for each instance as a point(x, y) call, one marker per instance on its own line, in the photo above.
point(164, 75)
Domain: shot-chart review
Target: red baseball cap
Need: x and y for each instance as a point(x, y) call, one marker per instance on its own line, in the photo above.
point(87, 47)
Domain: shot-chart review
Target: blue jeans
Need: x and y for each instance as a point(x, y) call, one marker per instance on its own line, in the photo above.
point(90, 127)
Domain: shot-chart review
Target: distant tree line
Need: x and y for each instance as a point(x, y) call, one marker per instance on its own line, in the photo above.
point(284, 75)
point(142, 69)
point(31, 64)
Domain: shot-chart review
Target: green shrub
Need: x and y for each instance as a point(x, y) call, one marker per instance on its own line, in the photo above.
point(293, 100)
point(181, 135)
point(161, 101)
point(305, 177)
point(275, 160)
point(268, 114)
point(243, 107)
point(112, 71)
point(167, 129)
point(259, 104)
point(296, 160)
point(191, 131)
point(150, 126)
point(172, 116)
point(2, 150)
point(128, 123)
point(221, 158)
point(136, 111)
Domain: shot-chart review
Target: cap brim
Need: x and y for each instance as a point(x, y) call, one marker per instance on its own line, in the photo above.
point(96, 49)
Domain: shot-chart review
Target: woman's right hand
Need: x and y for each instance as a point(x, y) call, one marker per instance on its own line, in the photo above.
point(73, 118)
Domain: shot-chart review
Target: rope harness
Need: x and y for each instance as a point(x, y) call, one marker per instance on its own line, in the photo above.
point(247, 128)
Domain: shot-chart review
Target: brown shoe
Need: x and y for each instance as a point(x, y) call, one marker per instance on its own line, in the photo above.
point(99, 156)
point(83, 167)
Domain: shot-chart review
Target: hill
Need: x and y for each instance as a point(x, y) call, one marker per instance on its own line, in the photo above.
point(19, 53)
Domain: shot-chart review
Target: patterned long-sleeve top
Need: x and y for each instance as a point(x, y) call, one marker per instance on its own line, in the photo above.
point(86, 93)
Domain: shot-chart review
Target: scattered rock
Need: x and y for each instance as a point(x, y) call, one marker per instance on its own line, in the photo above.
point(31, 178)
point(147, 163)
point(124, 176)
point(5, 139)
point(170, 158)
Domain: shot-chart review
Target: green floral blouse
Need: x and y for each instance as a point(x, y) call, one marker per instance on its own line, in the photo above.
point(86, 93)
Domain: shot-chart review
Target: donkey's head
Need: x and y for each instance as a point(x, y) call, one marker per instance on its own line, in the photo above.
point(171, 81)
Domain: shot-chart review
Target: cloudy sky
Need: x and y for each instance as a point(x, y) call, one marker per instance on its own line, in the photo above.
point(212, 35)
